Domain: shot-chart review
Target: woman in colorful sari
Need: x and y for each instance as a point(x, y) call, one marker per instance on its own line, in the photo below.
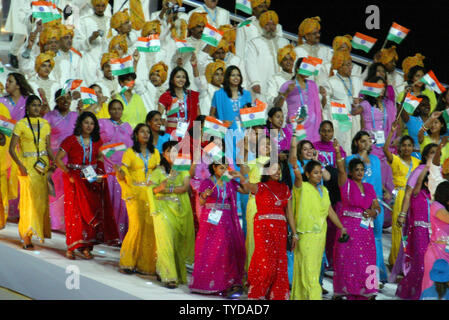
point(417, 231)
point(303, 101)
point(173, 220)
point(138, 252)
point(62, 122)
point(402, 166)
point(220, 243)
point(352, 259)
point(5, 164)
point(32, 135)
point(439, 240)
point(154, 121)
point(87, 208)
point(116, 134)
point(311, 207)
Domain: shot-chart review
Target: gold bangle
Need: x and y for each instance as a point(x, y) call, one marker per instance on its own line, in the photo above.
point(342, 159)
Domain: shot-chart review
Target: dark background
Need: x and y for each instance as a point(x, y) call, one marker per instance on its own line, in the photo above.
point(428, 22)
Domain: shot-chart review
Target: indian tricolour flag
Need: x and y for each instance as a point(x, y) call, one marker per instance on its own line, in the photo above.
point(109, 149)
point(397, 33)
point(372, 89)
point(88, 96)
point(174, 108)
point(339, 111)
point(431, 80)
point(254, 116)
point(71, 85)
point(183, 46)
point(182, 163)
point(310, 66)
point(45, 10)
point(149, 44)
point(411, 103)
point(244, 6)
point(214, 151)
point(300, 132)
point(122, 66)
point(226, 177)
point(215, 127)
point(211, 35)
point(127, 86)
point(363, 42)
point(7, 125)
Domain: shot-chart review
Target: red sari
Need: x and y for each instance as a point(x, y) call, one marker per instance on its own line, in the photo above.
point(192, 99)
point(267, 273)
point(88, 212)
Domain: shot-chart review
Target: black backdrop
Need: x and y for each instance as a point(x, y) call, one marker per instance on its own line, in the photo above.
point(428, 21)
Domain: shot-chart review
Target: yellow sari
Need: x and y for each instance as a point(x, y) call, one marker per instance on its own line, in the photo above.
point(5, 165)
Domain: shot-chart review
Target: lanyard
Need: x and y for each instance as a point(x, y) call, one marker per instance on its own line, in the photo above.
point(145, 161)
point(300, 92)
point(70, 54)
point(223, 195)
point(385, 117)
point(329, 156)
point(84, 150)
point(185, 108)
point(124, 98)
point(36, 143)
point(115, 122)
point(349, 90)
point(320, 190)
point(209, 13)
point(11, 101)
point(409, 168)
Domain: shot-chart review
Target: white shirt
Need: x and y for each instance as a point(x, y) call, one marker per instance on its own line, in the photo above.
point(150, 94)
point(273, 86)
point(68, 65)
point(206, 91)
point(49, 86)
point(216, 17)
point(108, 87)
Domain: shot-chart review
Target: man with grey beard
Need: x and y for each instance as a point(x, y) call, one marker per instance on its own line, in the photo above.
point(261, 55)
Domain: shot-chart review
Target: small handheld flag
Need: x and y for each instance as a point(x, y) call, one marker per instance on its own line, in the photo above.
point(215, 127)
point(254, 116)
point(183, 46)
point(244, 6)
point(122, 66)
point(149, 44)
point(411, 103)
point(431, 80)
point(397, 33)
point(7, 125)
point(109, 149)
point(182, 163)
point(211, 35)
point(363, 42)
point(214, 151)
point(372, 89)
point(88, 96)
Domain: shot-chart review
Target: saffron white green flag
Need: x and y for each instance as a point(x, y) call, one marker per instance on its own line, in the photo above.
point(310, 66)
point(122, 66)
point(431, 80)
point(149, 44)
point(7, 125)
point(254, 116)
point(372, 89)
point(71, 85)
point(182, 163)
point(363, 42)
point(183, 46)
point(88, 96)
point(244, 6)
point(215, 127)
point(45, 10)
point(411, 103)
point(211, 35)
point(300, 132)
point(109, 149)
point(214, 151)
point(339, 111)
point(397, 33)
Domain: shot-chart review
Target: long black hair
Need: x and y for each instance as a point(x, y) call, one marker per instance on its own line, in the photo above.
point(227, 76)
point(95, 135)
point(136, 144)
point(353, 164)
point(167, 145)
point(372, 70)
point(442, 102)
point(299, 149)
point(271, 113)
point(25, 88)
point(29, 101)
point(403, 139)
point(426, 100)
point(150, 117)
point(373, 101)
point(426, 151)
point(309, 168)
point(171, 87)
point(297, 65)
point(442, 194)
point(356, 139)
point(443, 129)
point(266, 177)
point(412, 72)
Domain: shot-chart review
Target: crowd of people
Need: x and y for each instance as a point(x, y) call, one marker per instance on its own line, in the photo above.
point(225, 160)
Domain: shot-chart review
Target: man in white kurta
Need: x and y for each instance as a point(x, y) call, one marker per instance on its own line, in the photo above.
point(216, 16)
point(153, 87)
point(251, 28)
point(261, 56)
point(344, 89)
point(16, 23)
point(108, 83)
point(90, 39)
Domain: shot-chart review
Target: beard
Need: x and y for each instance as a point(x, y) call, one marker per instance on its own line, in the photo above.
point(269, 34)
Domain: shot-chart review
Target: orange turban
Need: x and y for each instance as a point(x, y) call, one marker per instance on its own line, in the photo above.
point(97, 2)
point(340, 40)
point(196, 19)
point(223, 44)
point(268, 16)
point(256, 3)
point(287, 50)
point(47, 34)
point(66, 30)
point(119, 18)
point(410, 62)
point(179, 29)
point(338, 59)
point(307, 26)
point(161, 69)
point(47, 56)
point(229, 35)
point(446, 166)
point(119, 40)
point(107, 57)
point(150, 26)
point(213, 67)
point(387, 55)
point(53, 23)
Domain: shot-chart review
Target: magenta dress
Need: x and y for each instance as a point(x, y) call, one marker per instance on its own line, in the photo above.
point(283, 139)
point(382, 122)
point(116, 133)
point(61, 128)
point(17, 112)
point(326, 153)
point(435, 251)
point(311, 98)
point(201, 173)
point(418, 226)
point(352, 258)
point(219, 249)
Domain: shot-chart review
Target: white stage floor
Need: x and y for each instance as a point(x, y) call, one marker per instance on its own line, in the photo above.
point(99, 278)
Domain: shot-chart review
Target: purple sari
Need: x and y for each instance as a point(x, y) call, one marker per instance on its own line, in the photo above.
point(353, 259)
point(61, 128)
point(418, 226)
point(219, 249)
point(284, 137)
point(116, 133)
